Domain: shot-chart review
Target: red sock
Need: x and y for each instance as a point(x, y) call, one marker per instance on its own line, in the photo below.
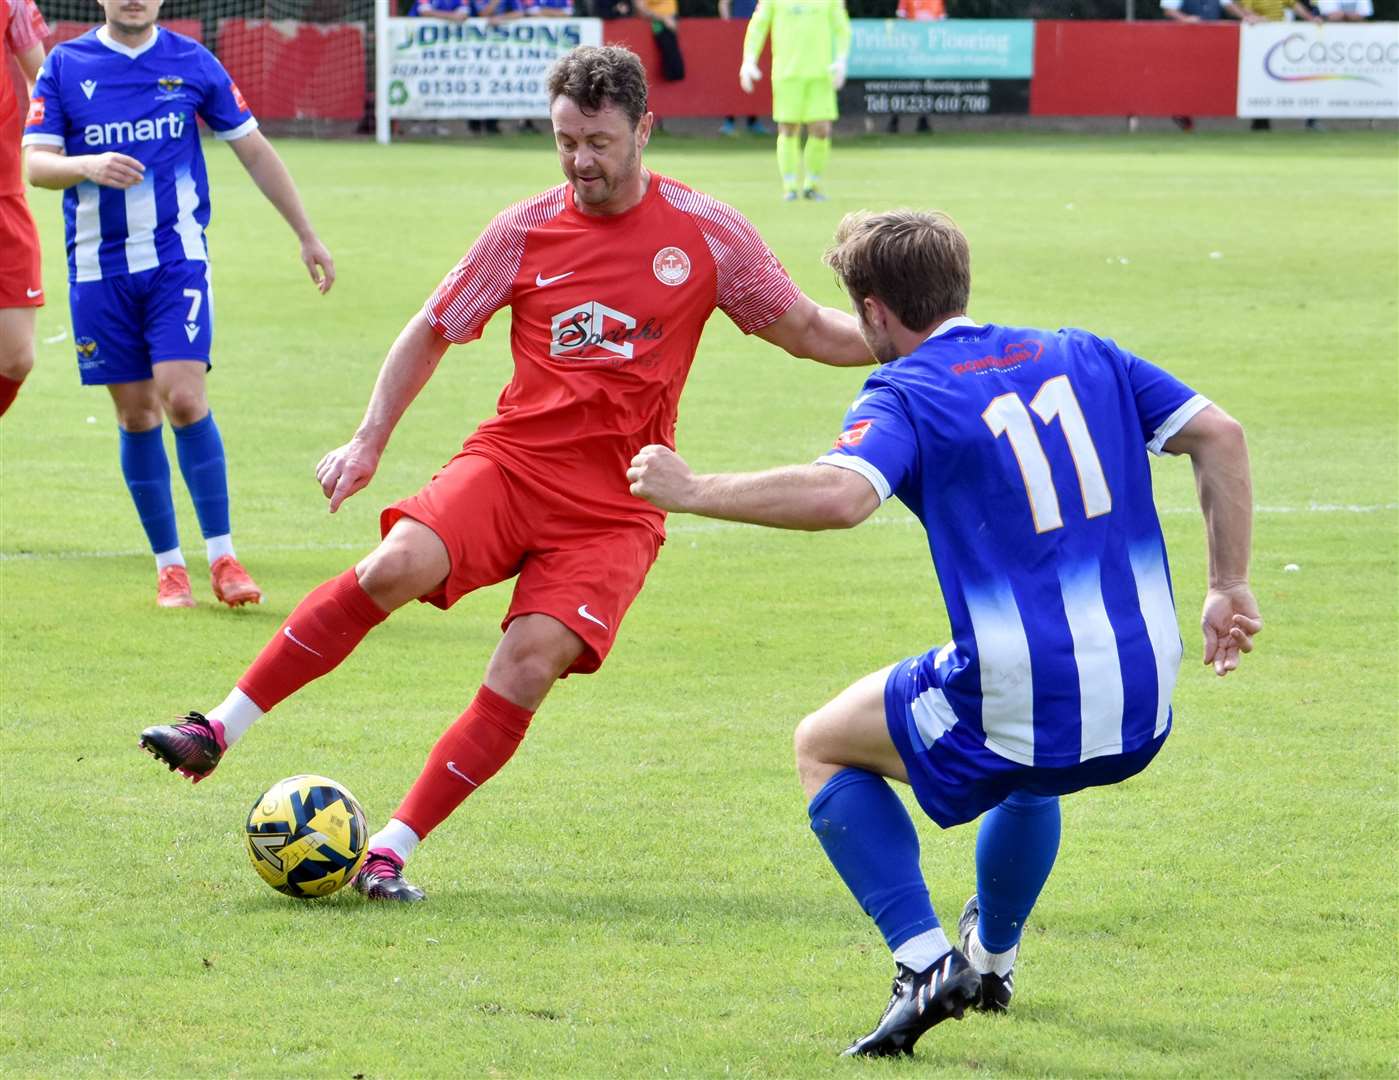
point(8, 389)
point(322, 631)
point(467, 754)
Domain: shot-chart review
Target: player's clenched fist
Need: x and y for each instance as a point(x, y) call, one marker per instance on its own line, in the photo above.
point(660, 476)
point(113, 170)
point(345, 470)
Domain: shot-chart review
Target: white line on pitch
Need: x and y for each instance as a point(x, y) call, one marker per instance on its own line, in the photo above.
point(680, 529)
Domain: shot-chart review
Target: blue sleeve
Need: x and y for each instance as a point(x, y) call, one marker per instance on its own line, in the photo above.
point(1164, 403)
point(45, 123)
point(222, 106)
point(878, 440)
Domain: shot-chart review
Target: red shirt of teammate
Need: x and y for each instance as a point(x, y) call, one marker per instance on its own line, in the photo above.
point(21, 28)
point(22, 32)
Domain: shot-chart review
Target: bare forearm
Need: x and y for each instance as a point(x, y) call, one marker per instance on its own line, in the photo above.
point(1226, 499)
point(31, 60)
point(411, 361)
point(818, 333)
point(809, 497)
point(54, 171)
point(270, 175)
point(838, 340)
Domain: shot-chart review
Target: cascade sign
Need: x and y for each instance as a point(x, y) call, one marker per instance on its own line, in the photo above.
point(1328, 70)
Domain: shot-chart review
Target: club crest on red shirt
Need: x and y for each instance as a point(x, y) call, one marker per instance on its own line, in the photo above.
point(671, 266)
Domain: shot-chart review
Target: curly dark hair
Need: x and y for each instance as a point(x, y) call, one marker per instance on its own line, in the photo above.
point(591, 76)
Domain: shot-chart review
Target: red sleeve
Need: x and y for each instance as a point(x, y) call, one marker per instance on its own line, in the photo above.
point(482, 283)
point(27, 26)
point(754, 289)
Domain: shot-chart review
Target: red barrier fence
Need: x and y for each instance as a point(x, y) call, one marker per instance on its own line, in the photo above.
point(1135, 69)
point(290, 70)
point(713, 49)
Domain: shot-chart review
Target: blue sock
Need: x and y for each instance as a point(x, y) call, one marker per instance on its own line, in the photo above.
point(146, 470)
point(1015, 850)
point(869, 838)
point(200, 450)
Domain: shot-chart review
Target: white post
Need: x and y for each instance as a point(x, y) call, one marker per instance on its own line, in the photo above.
point(381, 71)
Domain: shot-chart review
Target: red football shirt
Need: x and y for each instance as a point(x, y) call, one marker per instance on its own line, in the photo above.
point(606, 315)
point(21, 26)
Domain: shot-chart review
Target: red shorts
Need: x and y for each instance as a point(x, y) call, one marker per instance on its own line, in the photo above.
point(582, 571)
point(20, 282)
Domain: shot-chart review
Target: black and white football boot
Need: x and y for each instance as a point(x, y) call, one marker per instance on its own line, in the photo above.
point(920, 1000)
point(995, 989)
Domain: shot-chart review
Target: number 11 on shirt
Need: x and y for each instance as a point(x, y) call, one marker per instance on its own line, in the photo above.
point(1007, 415)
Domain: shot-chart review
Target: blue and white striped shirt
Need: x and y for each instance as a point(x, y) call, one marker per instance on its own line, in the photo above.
point(96, 95)
point(1024, 454)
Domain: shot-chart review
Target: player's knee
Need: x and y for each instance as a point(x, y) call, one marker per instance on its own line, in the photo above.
point(135, 417)
point(812, 768)
point(392, 574)
point(16, 358)
point(185, 406)
point(525, 677)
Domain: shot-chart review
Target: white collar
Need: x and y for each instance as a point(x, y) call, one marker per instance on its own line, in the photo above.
point(952, 324)
point(105, 36)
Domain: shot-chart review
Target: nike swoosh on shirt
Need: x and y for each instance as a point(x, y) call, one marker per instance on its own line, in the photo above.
point(541, 280)
point(452, 768)
point(861, 400)
point(32, 293)
point(583, 610)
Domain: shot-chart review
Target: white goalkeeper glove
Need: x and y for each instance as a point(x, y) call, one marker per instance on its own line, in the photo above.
point(837, 70)
point(749, 73)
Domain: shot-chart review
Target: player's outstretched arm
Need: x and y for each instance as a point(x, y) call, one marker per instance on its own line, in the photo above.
point(30, 61)
point(810, 497)
point(49, 167)
point(818, 333)
point(1215, 442)
point(270, 175)
point(411, 361)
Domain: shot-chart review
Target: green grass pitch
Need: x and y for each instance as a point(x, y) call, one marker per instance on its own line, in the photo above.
point(638, 894)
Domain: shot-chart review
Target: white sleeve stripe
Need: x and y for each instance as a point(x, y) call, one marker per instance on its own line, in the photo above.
point(39, 138)
point(247, 127)
point(864, 468)
point(753, 289)
point(461, 305)
point(1175, 422)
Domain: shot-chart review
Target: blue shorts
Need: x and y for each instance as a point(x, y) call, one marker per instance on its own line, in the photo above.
point(124, 325)
point(958, 778)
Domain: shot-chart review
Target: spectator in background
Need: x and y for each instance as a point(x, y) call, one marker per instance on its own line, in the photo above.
point(1345, 10)
point(495, 11)
point(665, 28)
point(925, 10)
point(1191, 11)
point(1253, 11)
point(1256, 11)
point(740, 9)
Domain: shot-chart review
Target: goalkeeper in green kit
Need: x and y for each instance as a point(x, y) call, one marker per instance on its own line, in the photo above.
point(810, 42)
